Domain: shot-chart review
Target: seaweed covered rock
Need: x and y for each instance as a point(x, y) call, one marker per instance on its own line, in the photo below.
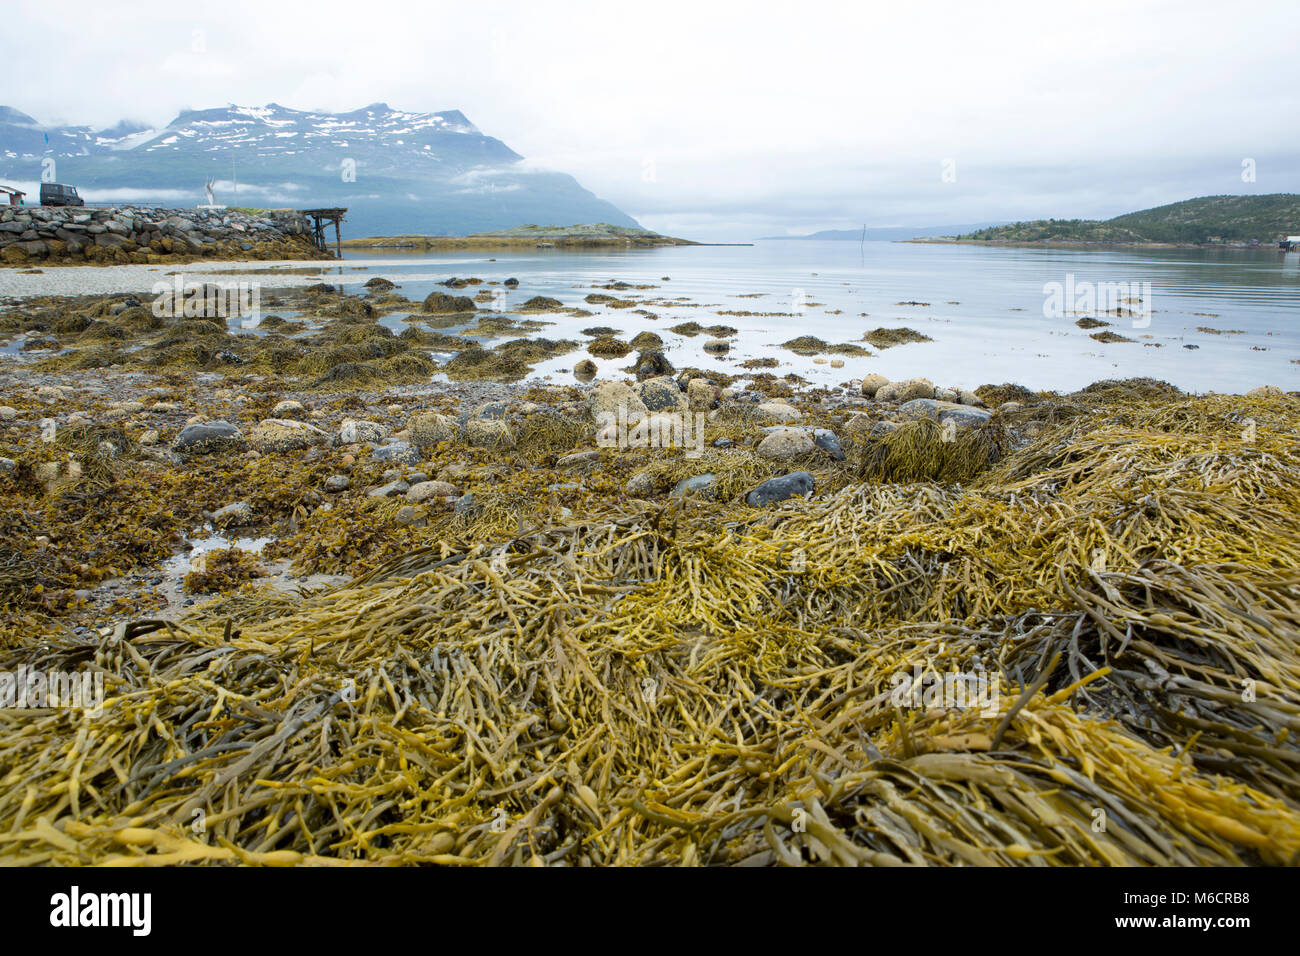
point(353, 430)
point(778, 412)
point(661, 394)
point(285, 434)
point(439, 303)
point(701, 395)
point(489, 433)
point(651, 363)
point(542, 303)
point(995, 395)
point(427, 429)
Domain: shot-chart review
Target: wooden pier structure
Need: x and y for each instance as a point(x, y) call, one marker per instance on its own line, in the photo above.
point(321, 219)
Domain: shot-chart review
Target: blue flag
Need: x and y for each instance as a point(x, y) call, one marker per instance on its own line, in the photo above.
point(47, 139)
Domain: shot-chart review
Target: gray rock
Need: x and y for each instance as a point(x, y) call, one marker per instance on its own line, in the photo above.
point(337, 483)
point(640, 484)
point(961, 415)
point(779, 489)
point(390, 490)
point(7, 466)
point(465, 504)
point(785, 443)
point(207, 437)
point(398, 451)
point(408, 515)
point(578, 460)
point(424, 490)
point(699, 485)
point(239, 513)
point(829, 442)
point(882, 428)
point(661, 393)
point(355, 430)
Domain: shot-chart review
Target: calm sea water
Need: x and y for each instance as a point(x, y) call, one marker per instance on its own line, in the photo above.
point(984, 307)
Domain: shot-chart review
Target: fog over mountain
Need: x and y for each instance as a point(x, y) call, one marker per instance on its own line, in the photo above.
point(396, 171)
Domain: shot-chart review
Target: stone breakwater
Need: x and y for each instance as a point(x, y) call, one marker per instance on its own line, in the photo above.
point(125, 234)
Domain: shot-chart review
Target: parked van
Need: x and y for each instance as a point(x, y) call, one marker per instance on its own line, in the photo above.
point(54, 194)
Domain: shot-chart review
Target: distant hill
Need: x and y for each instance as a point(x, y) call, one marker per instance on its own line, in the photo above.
point(1208, 219)
point(396, 171)
point(528, 236)
point(889, 233)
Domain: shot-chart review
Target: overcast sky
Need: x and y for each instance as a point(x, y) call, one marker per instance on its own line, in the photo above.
point(731, 120)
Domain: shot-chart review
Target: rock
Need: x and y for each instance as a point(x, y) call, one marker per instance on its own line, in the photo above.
point(778, 412)
point(660, 394)
point(46, 471)
point(858, 423)
point(650, 364)
point(429, 428)
point(962, 415)
point(465, 504)
point(150, 437)
point(578, 460)
point(490, 410)
point(206, 437)
point(409, 515)
point(786, 443)
point(905, 391)
point(355, 430)
point(1265, 391)
point(424, 490)
point(829, 442)
point(7, 466)
point(799, 483)
point(239, 513)
point(336, 483)
point(837, 363)
point(489, 433)
point(439, 303)
point(616, 400)
point(966, 397)
point(701, 395)
point(585, 370)
point(1006, 408)
point(880, 429)
point(285, 434)
point(873, 383)
point(717, 347)
point(511, 283)
point(390, 490)
point(699, 485)
point(642, 483)
point(8, 413)
point(946, 395)
point(289, 409)
point(398, 451)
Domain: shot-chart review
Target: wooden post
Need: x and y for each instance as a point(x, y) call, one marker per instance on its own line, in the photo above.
point(338, 240)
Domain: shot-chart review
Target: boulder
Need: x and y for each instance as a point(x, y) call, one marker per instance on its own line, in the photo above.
point(396, 451)
point(651, 363)
point(336, 483)
point(642, 483)
point(615, 399)
point(717, 347)
point(489, 433)
point(354, 430)
point(206, 437)
point(905, 391)
point(786, 443)
point(778, 412)
point(424, 490)
point(285, 434)
point(390, 490)
point(427, 429)
point(799, 483)
point(1265, 391)
point(962, 415)
point(578, 461)
point(661, 394)
point(829, 442)
point(239, 513)
point(701, 395)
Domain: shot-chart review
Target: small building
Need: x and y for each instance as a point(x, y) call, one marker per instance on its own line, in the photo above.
point(15, 195)
point(1289, 243)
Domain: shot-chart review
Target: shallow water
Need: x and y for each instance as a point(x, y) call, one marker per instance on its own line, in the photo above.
point(985, 308)
point(984, 311)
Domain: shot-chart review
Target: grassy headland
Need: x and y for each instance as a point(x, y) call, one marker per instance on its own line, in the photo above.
point(1209, 219)
point(528, 236)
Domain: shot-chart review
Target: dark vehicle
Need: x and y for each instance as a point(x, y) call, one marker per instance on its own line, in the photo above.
point(54, 194)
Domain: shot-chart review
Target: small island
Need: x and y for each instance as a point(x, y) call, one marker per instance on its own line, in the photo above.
point(528, 236)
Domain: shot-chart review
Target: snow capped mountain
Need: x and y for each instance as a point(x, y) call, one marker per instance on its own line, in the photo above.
point(396, 171)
